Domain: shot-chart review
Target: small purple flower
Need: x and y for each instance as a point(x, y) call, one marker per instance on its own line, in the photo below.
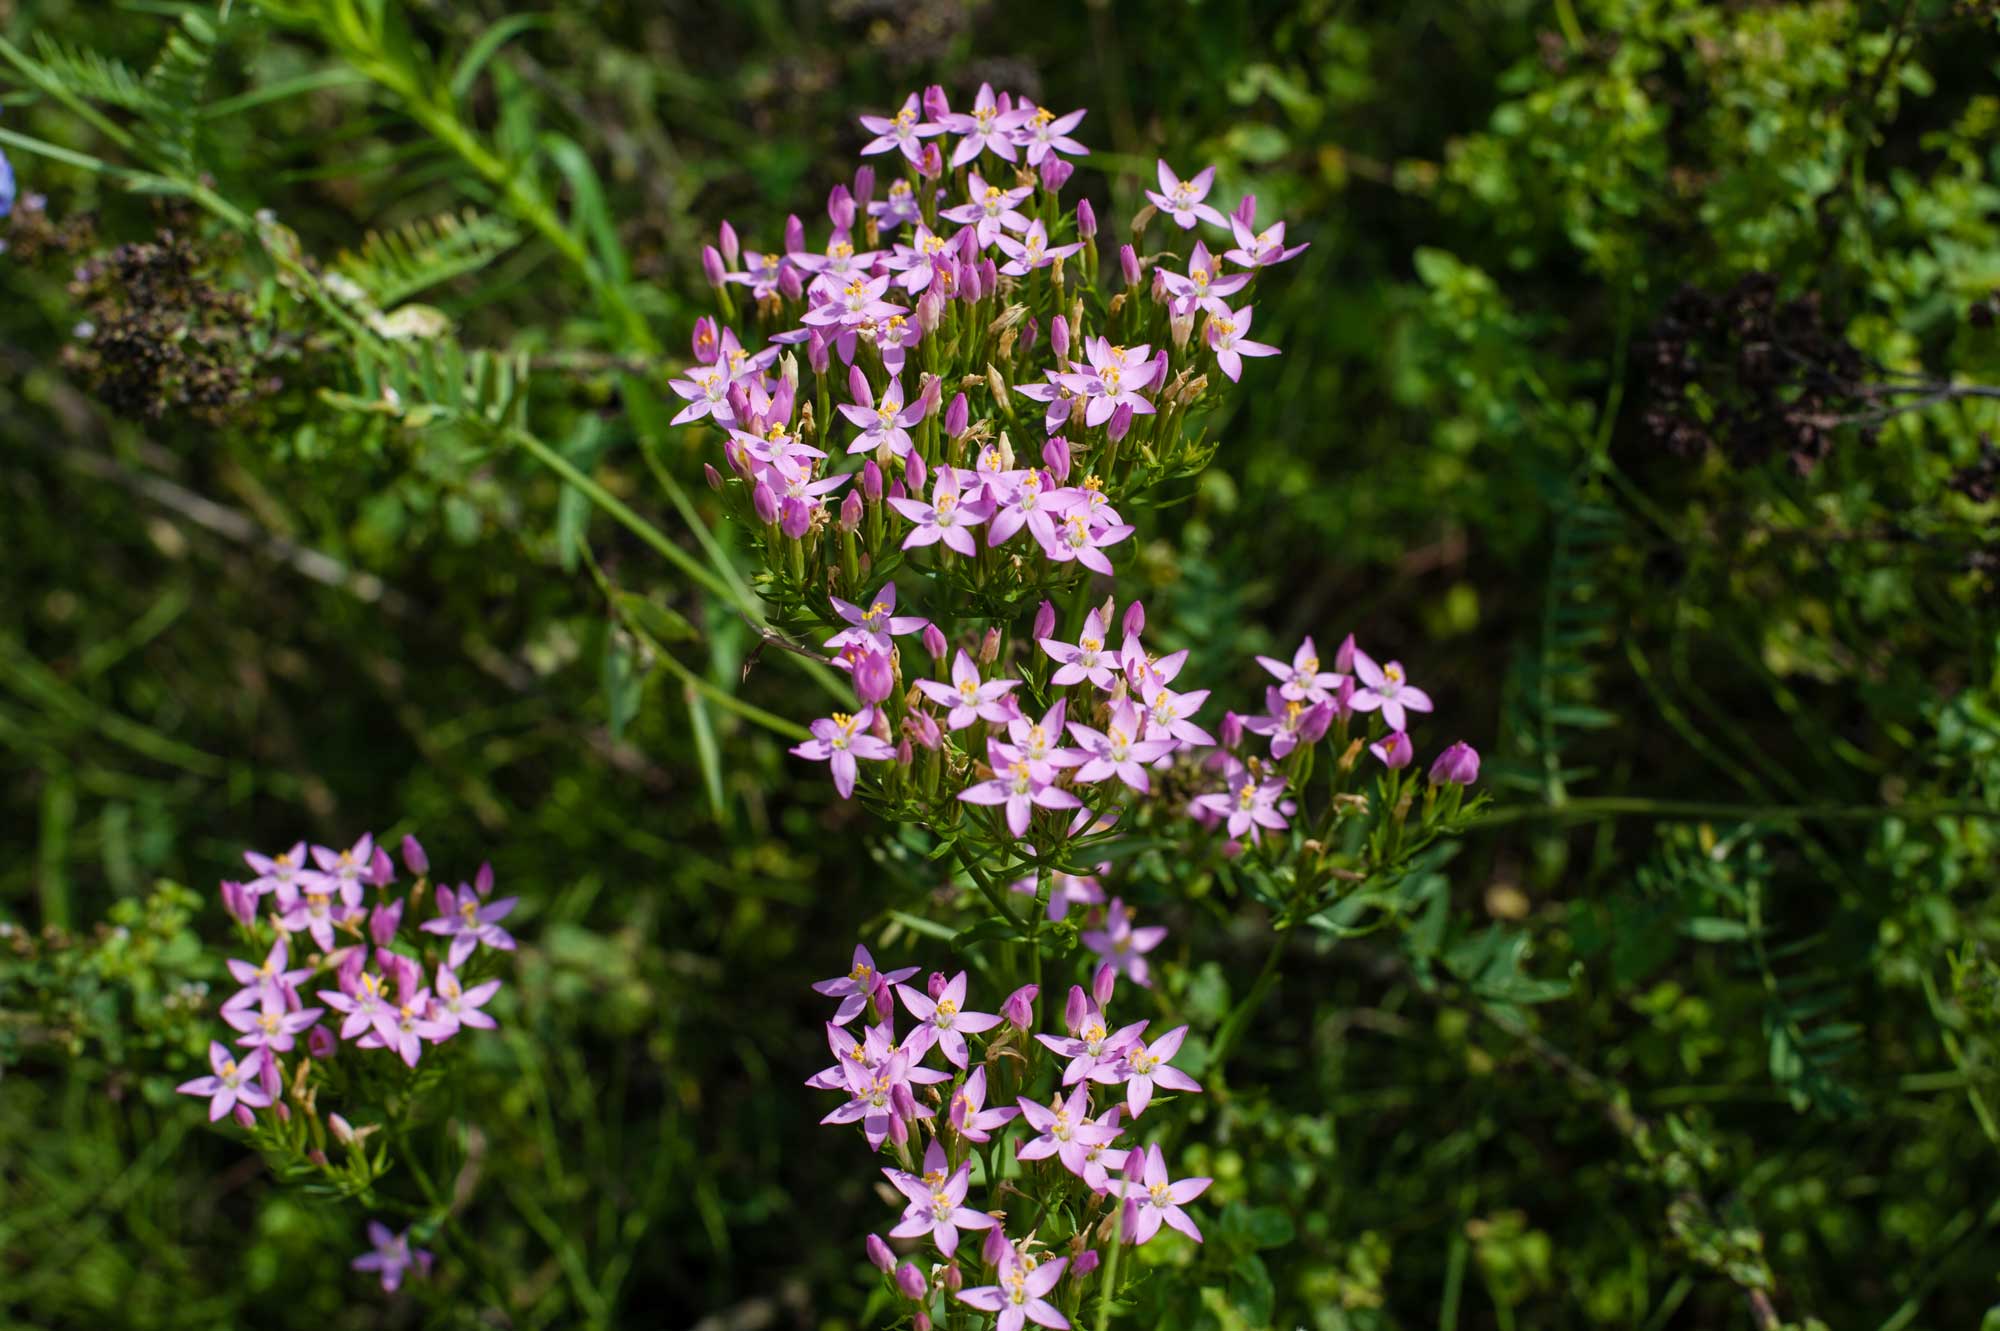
point(1259, 249)
point(877, 625)
point(1170, 714)
point(884, 421)
point(986, 128)
point(1158, 1200)
point(346, 871)
point(904, 132)
point(944, 518)
point(317, 914)
point(1226, 339)
point(233, 1082)
point(1077, 537)
point(1388, 688)
point(468, 922)
point(969, 698)
point(1120, 750)
point(1019, 1297)
point(453, 1005)
point(936, 1201)
point(1146, 1069)
point(1456, 766)
point(990, 210)
point(1044, 133)
point(1091, 1041)
point(969, 1117)
point(1032, 251)
point(899, 207)
point(1115, 377)
point(1036, 743)
point(1087, 658)
point(944, 1022)
point(840, 739)
point(266, 984)
point(1014, 785)
point(1182, 199)
point(1203, 287)
point(1249, 806)
point(1302, 679)
point(853, 988)
point(274, 1027)
point(1290, 722)
point(392, 1256)
point(284, 873)
point(1065, 1129)
point(1122, 947)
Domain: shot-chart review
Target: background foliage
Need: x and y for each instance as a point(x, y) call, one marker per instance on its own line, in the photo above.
point(1637, 384)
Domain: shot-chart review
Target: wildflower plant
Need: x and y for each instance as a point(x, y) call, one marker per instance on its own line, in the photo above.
point(943, 415)
point(353, 999)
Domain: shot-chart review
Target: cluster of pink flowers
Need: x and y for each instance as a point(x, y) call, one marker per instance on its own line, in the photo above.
point(387, 990)
point(883, 1078)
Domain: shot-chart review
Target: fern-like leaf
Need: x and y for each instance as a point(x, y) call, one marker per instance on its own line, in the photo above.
point(392, 266)
point(96, 77)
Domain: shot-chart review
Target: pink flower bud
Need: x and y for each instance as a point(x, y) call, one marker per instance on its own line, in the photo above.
point(1343, 656)
point(957, 416)
point(1031, 333)
point(850, 511)
point(319, 1042)
point(1055, 173)
point(1457, 765)
point(930, 308)
point(915, 472)
point(905, 753)
point(240, 902)
point(1135, 619)
point(1162, 365)
point(712, 476)
point(930, 392)
point(791, 284)
point(738, 398)
point(765, 501)
point(989, 278)
point(864, 184)
point(381, 869)
point(1019, 1009)
point(1059, 337)
point(923, 728)
point(818, 357)
point(840, 208)
point(382, 923)
point(935, 986)
point(1104, 984)
point(857, 385)
point(954, 1279)
point(967, 245)
point(873, 677)
point(1246, 210)
point(712, 266)
point(883, 998)
point(994, 1249)
point(936, 107)
point(1045, 620)
point(920, 1322)
point(1086, 1262)
point(899, 1127)
point(896, 490)
point(1055, 456)
point(1128, 265)
point(703, 343)
point(878, 1253)
point(795, 234)
point(414, 858)
point(1086, 220)
point(1394, 749)
point(966, 275)
point(725, 236)
point(1075, 1009)
point(989, 647)
point(796, 518)
point(871, 482)
point(244, 1117)
point(1232, 729)
point(1343, 697)
point(930, 164)
point(934, 642)
point(1120, 423)
point(343, 1131)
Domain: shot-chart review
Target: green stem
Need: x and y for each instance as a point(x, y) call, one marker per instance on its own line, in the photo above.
point(1703, 810)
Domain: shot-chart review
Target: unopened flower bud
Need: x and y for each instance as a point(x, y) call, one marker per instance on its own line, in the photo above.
point(994, 1249)
point(1059, 338)
point(967, 245)
point(1086, 1262)
point(936, 107)
point(765, 501)
point(879, 1254)
point(871, 482)
point(957, 416)
point(1394, 749)
point(954, 1279)
point(1246, 210)
point(930, 309)
point(1104, 984)
point(850, 510)
point(934, 642)
point(1031, 333)
point(1019, 1009)
point(1056, 173)
point(930, 392)
point(920, 1322)
point(1180, 327)
point(712, 266)
point(906, 754)
point(791, 284)
point(1045, 620)
point(725, 236)
point(795, 520)
point(1128, 265)
point(1075, 1009)
point(1120, 423)
point(1135, 619)
point(1055, 456)
point(874, 677)
point(930, 163)
point(883, 997)
point(840, 208)
point(711, 475)
point(995, 384)
point(896, 490)
point(240, 902)
point(967, 277)
point(911, 1281)
point(244, 1117)
point(989, 277)
point(857, 385)
point(319, 1042)
point(1457, 765)
point(1343, 656)
point(864, 184)
point(923, 729)
point(795, 234)
point(703, 343)
point(738, 398)
point(382, 923)
point(989, 647)
point(738, 460)
point(936, 985)
point(1086, 221)
point(915, 472)
point(1232, 729)
point(343, 1131)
